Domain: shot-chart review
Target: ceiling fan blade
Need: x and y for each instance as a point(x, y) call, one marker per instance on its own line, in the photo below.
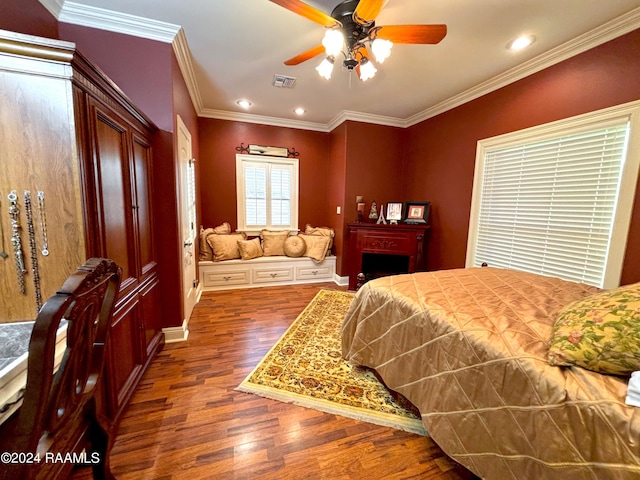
point(303, 57)
point(430, 34)
point(362, 52)
point(307, 11)
point(367, 11)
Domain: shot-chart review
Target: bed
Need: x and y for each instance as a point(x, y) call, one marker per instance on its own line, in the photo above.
point(469, 348)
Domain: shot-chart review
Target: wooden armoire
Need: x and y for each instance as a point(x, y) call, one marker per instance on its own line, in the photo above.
point(68, 131)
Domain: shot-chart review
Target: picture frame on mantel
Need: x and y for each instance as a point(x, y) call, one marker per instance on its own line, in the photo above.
point(417, 212)
point(394, 212)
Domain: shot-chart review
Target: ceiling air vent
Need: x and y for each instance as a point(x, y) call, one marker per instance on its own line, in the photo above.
point(283, 81)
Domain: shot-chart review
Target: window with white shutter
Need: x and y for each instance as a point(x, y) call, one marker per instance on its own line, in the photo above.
point(267, 193)
point(557, 199)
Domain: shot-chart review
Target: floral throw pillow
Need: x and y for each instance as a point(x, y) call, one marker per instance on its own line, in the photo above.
point(600, 332)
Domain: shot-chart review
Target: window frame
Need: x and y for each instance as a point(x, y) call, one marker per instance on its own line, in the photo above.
point(241, 160)
point(626, 193)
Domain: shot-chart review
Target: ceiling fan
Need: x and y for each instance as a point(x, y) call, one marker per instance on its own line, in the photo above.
point(351, 30)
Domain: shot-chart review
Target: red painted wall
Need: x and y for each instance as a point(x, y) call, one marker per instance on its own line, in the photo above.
point(336, 194)
point(441, 150)
point(375, 165)
point(29, 17)
point(217, 164)
point(141, 68)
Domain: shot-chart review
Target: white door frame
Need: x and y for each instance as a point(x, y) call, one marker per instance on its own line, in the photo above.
point(187, 221)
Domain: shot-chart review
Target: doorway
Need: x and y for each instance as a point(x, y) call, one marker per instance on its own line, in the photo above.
point(187, 212)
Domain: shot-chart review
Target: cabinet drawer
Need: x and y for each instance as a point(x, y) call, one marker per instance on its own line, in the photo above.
point(231, 277)
point(308, 273)
point(264, 275)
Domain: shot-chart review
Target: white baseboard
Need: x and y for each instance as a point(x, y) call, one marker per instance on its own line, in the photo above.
point(342, 281)
point(176, 334)
point(180, 334)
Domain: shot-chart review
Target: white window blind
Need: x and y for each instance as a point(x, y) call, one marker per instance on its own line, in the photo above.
point(267, 192)
point(548, 205)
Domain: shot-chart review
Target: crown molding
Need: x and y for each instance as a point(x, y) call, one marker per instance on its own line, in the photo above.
point(263, 120)
point(319, 127)
point(183, 56)
point(615, 28)
point(53, 6)
point(70, 12)
point(109, 20)
point(345, 115)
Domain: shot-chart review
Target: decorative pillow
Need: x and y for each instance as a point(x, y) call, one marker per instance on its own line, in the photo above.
point(273, 242)
point(250, 248)
point(205, 249)
point(600, 332)
point(294, 246)
point(225, 246)
point(317, 246)
point(325, 231)
point(222, 229)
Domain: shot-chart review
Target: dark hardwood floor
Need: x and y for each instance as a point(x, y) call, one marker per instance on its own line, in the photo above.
point(186, 421)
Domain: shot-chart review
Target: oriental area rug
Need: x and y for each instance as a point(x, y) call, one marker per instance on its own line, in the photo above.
point(306, 368)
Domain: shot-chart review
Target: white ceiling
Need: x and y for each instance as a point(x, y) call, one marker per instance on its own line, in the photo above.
point(231, 49)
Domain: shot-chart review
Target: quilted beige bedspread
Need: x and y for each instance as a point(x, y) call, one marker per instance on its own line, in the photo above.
point(468, 347)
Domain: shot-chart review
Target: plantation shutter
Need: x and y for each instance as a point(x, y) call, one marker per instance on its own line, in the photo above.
point(267, 193)
point(281, 195)
point(548, 206)
point(255, 194)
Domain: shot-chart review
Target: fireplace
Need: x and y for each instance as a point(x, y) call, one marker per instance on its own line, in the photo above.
point(379, 250)
point(376, 265)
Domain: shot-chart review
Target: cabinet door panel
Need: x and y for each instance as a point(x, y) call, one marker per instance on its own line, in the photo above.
point(142, 195)
point(150, 315)
point(113, 184)
point(125, 359)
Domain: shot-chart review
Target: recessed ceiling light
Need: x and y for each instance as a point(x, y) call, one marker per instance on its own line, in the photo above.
point(521, 42)
point(244, 103)
point(300, 111)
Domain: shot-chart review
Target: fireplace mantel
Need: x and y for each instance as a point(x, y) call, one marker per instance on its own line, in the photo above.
point(371, 238)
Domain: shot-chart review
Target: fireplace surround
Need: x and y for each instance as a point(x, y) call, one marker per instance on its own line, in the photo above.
point(378, 250)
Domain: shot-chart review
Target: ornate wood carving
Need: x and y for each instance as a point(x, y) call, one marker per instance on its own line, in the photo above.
point(369, 238)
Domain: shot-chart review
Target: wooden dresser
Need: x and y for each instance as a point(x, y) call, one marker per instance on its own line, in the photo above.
point(67, 130)
point(373, 244)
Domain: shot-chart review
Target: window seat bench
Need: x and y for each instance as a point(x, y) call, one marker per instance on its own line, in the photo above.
point(264, 272)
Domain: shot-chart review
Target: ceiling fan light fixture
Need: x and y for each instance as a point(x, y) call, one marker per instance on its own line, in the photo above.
point(381, 49)
point(351, 31)
point(333, 42)
point(367, 69)
point(523, 41)
point(326, 67)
